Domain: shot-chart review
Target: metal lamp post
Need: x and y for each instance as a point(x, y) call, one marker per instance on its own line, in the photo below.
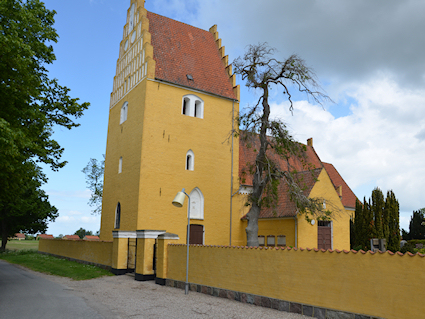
point(178, 202)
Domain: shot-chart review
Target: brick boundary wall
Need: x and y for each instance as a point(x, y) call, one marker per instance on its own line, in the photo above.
point(277, 304)
point(77, 260)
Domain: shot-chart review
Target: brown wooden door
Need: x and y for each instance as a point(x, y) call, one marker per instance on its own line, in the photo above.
point(196, 235)
point(324, 235)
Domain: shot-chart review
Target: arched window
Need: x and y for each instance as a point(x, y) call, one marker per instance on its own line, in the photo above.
point(185, 109)
point(124, 111)
point(199, 110)
point(120, 165)
point(118, 215)
point(190, 160)
point(196, 204)
point(193, 106)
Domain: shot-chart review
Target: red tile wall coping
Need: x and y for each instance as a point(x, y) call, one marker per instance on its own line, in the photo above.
point(302, 249)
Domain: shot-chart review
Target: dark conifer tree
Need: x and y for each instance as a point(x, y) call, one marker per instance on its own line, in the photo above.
point(377, 208)
point(392, 210)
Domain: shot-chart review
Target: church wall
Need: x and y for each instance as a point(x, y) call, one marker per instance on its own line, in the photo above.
point(167, 137)
point(124, 140)
point(307, 233)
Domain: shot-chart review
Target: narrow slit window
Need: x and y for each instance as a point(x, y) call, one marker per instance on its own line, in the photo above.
point(190, 161)
point(118, 216)
point(120, 165)
point(185, 109)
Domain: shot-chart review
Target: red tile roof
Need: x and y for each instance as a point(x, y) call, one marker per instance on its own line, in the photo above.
point(45, 236)
point(285, 207)
point(88, 237)
point(247, 157)
point(71, 237)
point(348, 198)
point(19, 235)
point(180, 49)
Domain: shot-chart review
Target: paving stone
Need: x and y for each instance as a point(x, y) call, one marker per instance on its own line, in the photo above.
point(339, 315)
point(296, 308)
point(283, 306)
point(231, 295)
point(319, 313)
point(274, 303)
point(266, 302)
point(244, 298)
point(193, 287)
point(222, 293)
point(257, 300)
point(308, 311)
point(249, 299)
point(237, 296)
point(363, 317)
point(216, 292)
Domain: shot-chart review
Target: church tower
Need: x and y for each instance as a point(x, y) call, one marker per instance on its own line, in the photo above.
point(172, 107)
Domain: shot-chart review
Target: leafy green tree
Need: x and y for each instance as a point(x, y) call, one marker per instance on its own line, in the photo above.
point(31, 104)
point(94, 180)
point(28, 209)
point(262, 72)
point(82, 232)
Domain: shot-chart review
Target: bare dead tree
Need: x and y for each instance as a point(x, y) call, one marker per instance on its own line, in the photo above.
point(262, 71)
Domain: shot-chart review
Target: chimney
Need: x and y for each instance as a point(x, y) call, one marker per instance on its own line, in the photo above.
point(310, 142)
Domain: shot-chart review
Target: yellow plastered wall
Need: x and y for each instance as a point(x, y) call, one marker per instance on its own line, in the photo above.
point(120, 253)
point(99, 252)
point(307, 233)
point(373, 284)
point(278, 227)
point(162, 257)
point(144, 256)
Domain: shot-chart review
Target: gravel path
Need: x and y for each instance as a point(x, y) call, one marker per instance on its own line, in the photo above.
point(124, 297)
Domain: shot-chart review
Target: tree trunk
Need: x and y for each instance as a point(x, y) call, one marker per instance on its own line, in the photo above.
point(252, 228)
point(3, 236)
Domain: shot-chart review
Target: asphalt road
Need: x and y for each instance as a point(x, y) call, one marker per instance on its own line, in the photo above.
point(26, 295)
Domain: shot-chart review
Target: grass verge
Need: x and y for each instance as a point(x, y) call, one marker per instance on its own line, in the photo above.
point(52, 265)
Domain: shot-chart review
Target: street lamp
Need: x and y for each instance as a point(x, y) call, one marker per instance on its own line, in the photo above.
point(178, 202)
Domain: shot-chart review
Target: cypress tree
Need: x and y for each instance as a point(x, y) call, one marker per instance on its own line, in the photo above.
point(393, 211)
point(377, 211)
point(369, 224)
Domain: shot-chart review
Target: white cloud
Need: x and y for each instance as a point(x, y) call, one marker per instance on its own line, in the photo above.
point(376, 145)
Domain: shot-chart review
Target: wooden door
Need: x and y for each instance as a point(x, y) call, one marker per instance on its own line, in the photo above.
point(324, 235)
point(196, 236)
point(131, 260)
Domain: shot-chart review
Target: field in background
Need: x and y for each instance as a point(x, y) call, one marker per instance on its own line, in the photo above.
point(22, 244)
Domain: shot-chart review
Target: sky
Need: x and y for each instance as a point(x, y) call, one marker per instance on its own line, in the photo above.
point(368, 57)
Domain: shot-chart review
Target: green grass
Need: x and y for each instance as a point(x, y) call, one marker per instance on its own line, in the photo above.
point(52, 265)
point(22, 244)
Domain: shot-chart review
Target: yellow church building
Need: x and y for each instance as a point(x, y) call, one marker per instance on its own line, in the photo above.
point(172, 110)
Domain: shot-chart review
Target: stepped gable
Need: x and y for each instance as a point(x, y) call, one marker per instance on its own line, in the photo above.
point(247, 157)
point(348, 198)
point(180, 50)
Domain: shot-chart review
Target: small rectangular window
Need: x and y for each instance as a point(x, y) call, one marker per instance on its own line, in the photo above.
point(120, 165)
point(261, 240)
point(281, 240)
point(270, 240)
